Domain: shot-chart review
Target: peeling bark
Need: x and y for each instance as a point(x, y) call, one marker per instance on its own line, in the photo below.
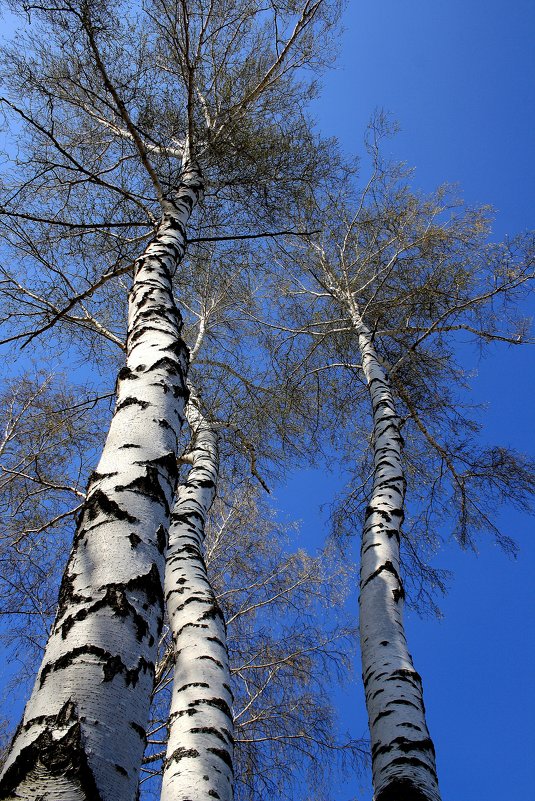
point(199, 757)
point(82, 734)
point(403, 755)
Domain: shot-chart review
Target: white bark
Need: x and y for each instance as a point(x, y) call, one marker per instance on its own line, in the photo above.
point(403, 755)
point(198, 765)
point(83, 732)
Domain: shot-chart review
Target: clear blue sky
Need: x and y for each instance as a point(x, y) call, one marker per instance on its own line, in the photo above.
point(459, 76)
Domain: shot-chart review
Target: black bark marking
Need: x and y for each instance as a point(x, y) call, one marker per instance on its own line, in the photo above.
point(211, 659)
point(114, 599)
point(204, 483)
point(111, 664)
point(138, 333)
point(95, 477)
point(402, 702)
point(388, 567)
point(187, 626)
point(372, 545)
point(120, 770)
point(126, 374)
point(193, 599)
point(177, 591)
point(147, 485)
point(149, 583)
point(135, 539)
point(398, 594)
point(406, 675)
point(193, 684)
point(415, 762)
point(130, 401)
point(383, 714)
point(178, 348)
point(157, 311)
point(182, 518)
point(388, 483)
point(370, 510)
point(223, 755)
point(218, 703)
point(412, 726)
point(213, 613)
point(211, 730)
point(138, 729)
point(405, 745)
point(213, 794)
point(217, 640)
point(100, 503)
point(67, 594)
point(161, 539)
point(182, 753)
point(66, 715)
point(167, 463)
point(181, 712)
point(64, 757)
point(170, 366)
point(392, 532)
point(181, 392)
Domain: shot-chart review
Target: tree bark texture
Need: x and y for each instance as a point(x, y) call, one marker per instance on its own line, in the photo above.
point(403, 755)
point(82, 735)
point(199, 757)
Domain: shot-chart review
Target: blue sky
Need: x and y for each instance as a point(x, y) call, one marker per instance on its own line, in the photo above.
point(459, 77)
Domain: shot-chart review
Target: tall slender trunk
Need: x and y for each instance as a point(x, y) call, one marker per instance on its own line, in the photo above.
point(403, 755)
point(83, 731)
point(200, 747)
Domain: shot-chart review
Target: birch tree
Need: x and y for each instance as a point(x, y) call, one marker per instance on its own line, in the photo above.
point(286, 704)
point(86, 104)
point(240, 411)
point(200, 745)
point(200, 740)
point(110, 610)
point(288, 638)
point(387, 290)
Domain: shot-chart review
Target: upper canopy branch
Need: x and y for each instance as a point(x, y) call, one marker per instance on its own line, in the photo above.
point(121, 108)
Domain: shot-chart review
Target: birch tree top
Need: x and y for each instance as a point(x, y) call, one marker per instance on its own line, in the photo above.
point(103, 99)
point(421, 272)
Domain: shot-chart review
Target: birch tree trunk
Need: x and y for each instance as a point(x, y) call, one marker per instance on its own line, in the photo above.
point(83, 731)
point(199, 757)
point(403, 755)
